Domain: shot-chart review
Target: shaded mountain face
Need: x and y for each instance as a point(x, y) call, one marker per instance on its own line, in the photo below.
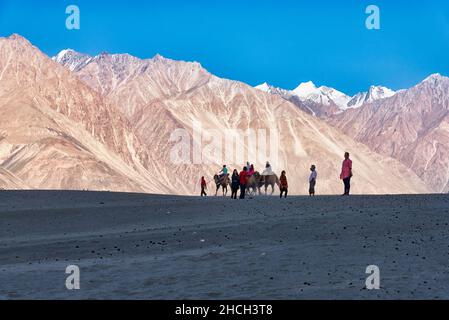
point(411, 126)
point(58, 133)
point(160, 96)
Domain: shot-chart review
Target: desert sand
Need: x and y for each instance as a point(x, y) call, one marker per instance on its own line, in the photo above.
point(135, 246)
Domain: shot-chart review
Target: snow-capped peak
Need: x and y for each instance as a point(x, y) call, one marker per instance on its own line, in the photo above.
point(327, 96)
point(305, 89)
point(308, 91)
point(71, 59)
point(433, 77)
point(62, 54)
point(158, 56)
point(379, 92)
point(374, 93)
point(265, 87)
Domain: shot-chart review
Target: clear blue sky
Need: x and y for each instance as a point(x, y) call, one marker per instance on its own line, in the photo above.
point(281, 42)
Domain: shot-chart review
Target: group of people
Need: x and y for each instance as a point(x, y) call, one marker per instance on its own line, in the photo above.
point(240, 180)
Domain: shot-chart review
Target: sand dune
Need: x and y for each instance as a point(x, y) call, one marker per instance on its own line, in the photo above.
point(133, 246)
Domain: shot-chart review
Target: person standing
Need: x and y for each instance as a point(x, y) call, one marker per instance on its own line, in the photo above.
point(243, 181)
point(203, 187)
point(312, 180)
point(346, 173)
point(235, 184)
point(283, 184)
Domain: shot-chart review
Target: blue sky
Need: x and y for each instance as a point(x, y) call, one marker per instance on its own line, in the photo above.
point(281, 42)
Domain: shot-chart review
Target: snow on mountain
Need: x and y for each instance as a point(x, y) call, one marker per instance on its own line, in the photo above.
point(323, 95)
point(434, 77)
point(265, 87)
point(306, 89)
point(411, 126)
point(326, 101)
point(374, 93)
point(159, 96)
point(58, 133)
point(71, 59)
point(328, 96)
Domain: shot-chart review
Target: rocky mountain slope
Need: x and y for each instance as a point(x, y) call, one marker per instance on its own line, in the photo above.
point(160, 95)
point(411, 126)
point(58, 133)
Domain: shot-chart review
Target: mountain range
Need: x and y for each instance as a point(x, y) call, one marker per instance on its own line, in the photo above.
point(106, 122)
point(325, 101)
point(409, 125)
point(412, 126)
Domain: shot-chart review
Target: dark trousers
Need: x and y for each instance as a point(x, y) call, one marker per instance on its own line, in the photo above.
point(284, 190)
point(347, 183)
point(203, 192)
point(312, 187)
point(242, 191)
point(234, 192)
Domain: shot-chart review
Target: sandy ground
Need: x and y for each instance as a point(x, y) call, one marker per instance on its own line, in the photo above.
point(131, 246)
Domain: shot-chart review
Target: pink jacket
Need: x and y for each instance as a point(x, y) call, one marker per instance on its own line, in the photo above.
point(346, 169)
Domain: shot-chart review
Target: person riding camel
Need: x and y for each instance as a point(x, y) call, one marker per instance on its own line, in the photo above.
point(268, 171)
point(250, 171)
point(223, 173)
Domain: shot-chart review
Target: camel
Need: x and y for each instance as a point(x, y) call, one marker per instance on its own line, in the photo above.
point(269, 180)
point(257, 181)
point(223, 183)
point(253, 184)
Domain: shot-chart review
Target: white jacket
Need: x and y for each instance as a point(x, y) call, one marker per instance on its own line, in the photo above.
point(313, 176)
point(268, 172)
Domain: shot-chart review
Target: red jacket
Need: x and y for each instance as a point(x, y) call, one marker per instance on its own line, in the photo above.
point(243, 178)
point(283, 182)
point(203, 182)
